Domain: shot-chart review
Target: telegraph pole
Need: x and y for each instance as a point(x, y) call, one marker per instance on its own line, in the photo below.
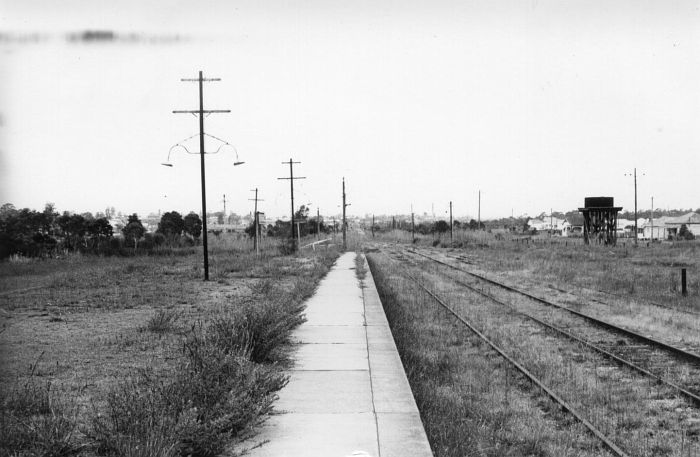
point(318, 223)
point(372, 225)
point(451, 233)
point(635, 207)
point(652, 220)
point(345, 205)
point(413, 226)
point(635, 204)
point(291, 186)
point(201, 112)
point(224, 208)
point(256, 222)
point(551, 221)
point(479, 216)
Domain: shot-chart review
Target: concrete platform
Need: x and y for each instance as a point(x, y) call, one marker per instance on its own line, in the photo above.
point(348, 393)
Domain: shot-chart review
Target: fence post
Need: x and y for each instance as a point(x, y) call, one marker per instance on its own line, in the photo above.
point(684, 286)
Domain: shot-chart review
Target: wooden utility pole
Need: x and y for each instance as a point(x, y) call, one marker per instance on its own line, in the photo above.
point(652, 220)
point(345, 225)
point(413, 226)
point(202, 112)
point(224, 208)
point(479, 216)
point(551, 220)
point(291, 186)
point(318, 223)
point(635, 205)
point(372, 225)
point(451, 233)
point(256, 221)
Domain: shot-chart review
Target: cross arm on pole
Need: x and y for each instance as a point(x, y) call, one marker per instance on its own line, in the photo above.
point(296, 177)
point(200, 79)
point(205, 111)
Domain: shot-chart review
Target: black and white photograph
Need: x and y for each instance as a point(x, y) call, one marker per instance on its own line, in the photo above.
point(321, 228)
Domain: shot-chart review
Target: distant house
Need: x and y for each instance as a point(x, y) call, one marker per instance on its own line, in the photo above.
point(666, 226)
point(655, 228)
point(690, 220)
point(625, 227)
point(546, 224)
point(538, 224)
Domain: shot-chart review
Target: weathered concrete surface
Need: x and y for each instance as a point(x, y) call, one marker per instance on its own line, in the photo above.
point(348, 391)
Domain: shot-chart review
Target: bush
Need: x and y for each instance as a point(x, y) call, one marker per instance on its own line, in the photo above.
point(685, 234)
point(215, 396)
point(286, 247)
point(259, 331)
point(222, 390)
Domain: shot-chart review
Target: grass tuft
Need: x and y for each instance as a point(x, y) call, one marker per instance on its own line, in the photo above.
point(163, 320)
point(33, 421)
point(258, 331)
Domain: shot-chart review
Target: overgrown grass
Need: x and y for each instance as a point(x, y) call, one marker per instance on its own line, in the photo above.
point(642, 417)
point(37, 421)
point(162, 320)
point(215, 396)
point(223, 388)
point(360, 270)
point(171, 365)
point(471, 402)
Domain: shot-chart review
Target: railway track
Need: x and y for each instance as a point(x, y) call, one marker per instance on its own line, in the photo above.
point(639, 352)
point(675, 375)
point(466, 260)
point(557, 399)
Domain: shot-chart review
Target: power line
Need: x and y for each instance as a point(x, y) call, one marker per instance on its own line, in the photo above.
point(256, 221)
point(201, 112)
point(345, 205)
point(291, 184)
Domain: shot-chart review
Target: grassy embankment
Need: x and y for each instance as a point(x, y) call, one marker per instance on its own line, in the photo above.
point(632, 279)
point(473, 404)
point(140, 357)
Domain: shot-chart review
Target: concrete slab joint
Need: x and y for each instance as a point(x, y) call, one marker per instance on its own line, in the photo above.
point(347, 394)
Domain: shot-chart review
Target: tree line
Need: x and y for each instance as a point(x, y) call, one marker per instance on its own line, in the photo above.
point(47, 233)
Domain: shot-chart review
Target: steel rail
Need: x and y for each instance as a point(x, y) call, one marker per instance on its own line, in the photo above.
point(651, 341)
point(612, 294)
point(553, 395)
point(692, 396)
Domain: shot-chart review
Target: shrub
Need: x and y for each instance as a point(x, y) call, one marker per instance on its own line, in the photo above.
point(685, 234)
point(215, 396)
point(258, 331)
point(286, 247)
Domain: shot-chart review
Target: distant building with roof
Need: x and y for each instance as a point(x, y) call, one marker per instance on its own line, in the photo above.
point(666, 227)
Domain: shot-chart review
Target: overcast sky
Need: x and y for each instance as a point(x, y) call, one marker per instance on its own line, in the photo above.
point(535, 103)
